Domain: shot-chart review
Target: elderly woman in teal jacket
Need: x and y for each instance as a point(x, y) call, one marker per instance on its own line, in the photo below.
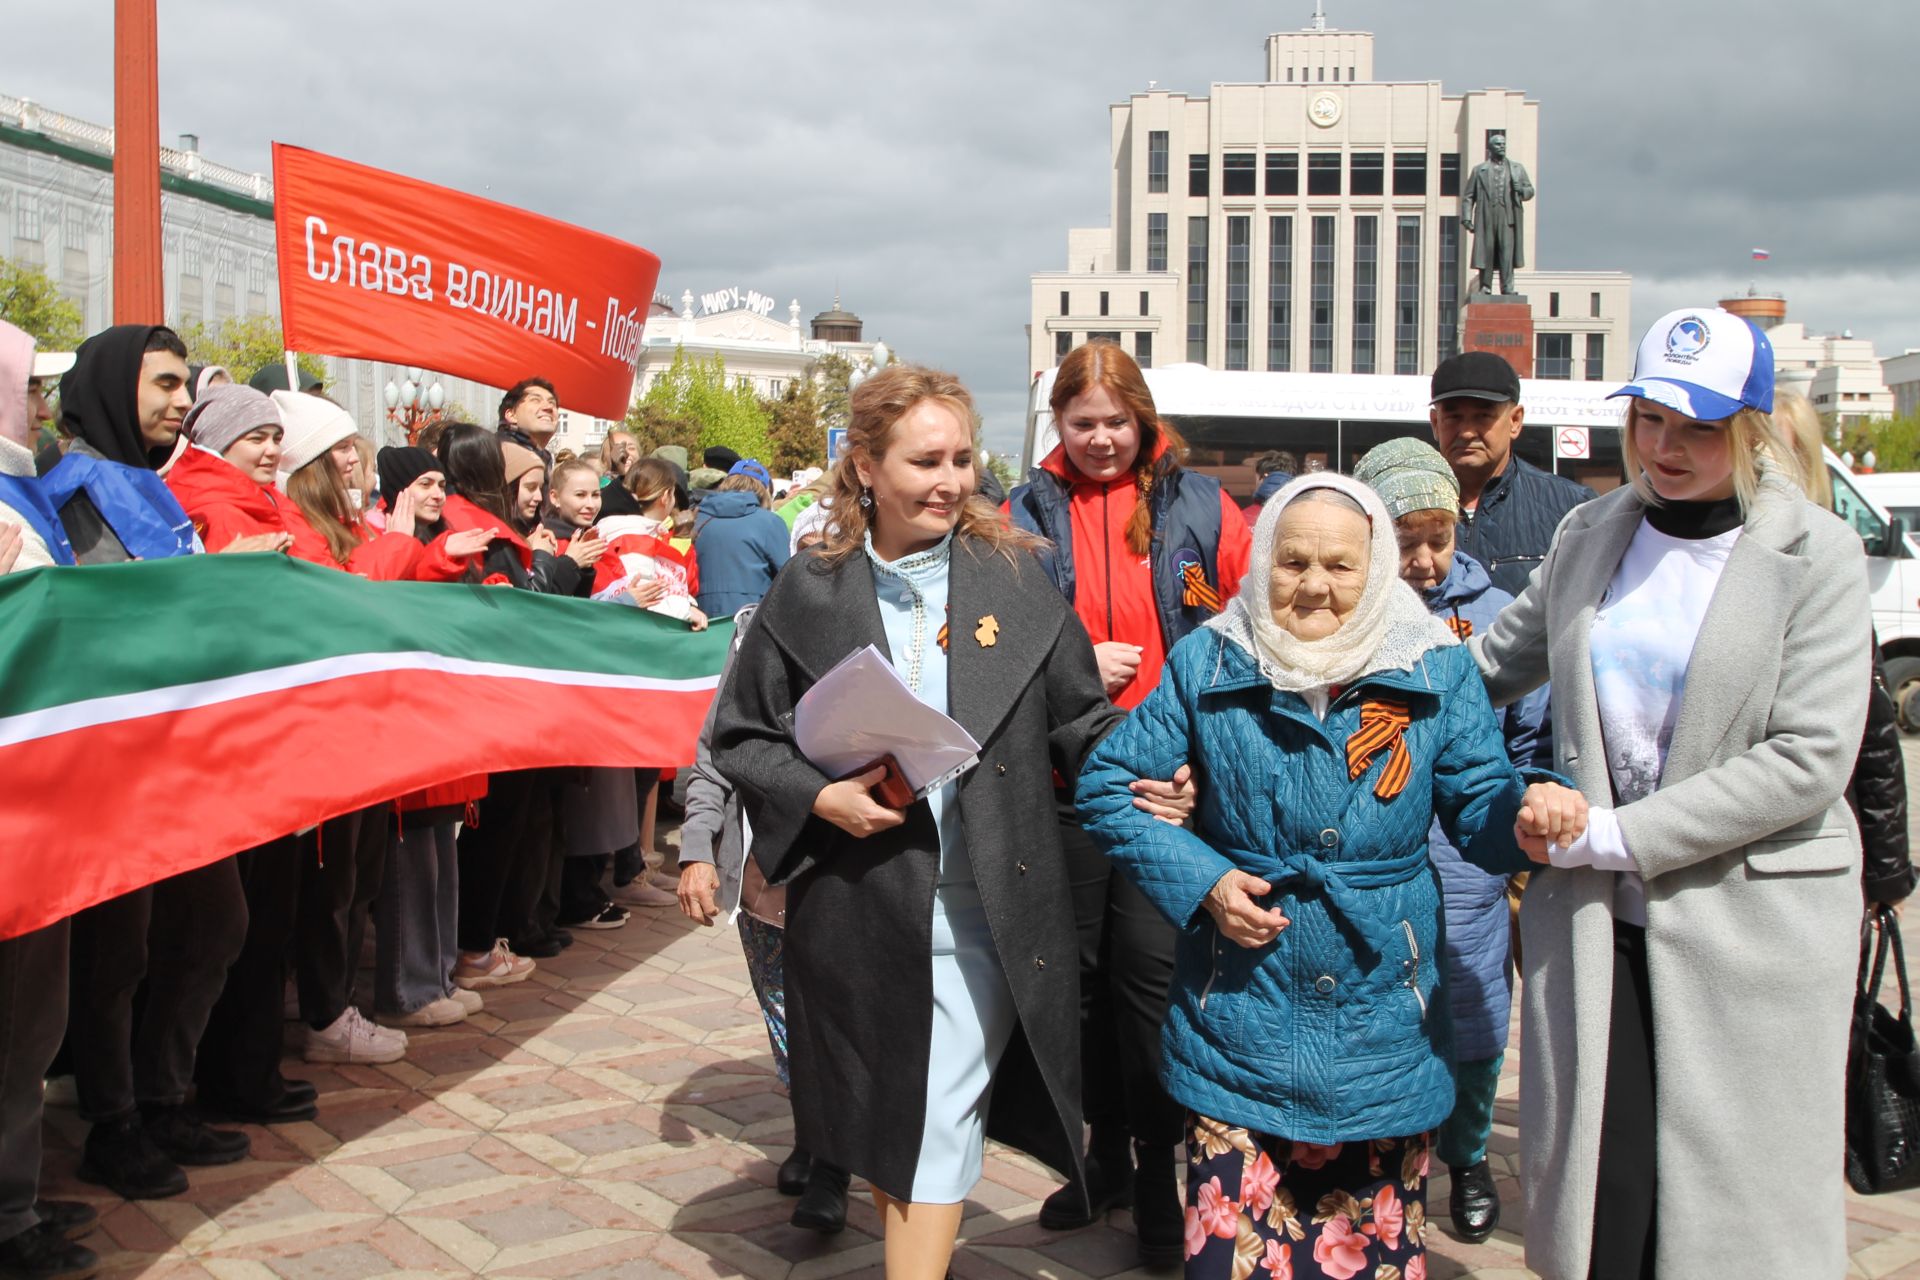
point(1331, 720)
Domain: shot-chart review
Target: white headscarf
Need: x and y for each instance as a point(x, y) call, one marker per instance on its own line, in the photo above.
point(1388, 630)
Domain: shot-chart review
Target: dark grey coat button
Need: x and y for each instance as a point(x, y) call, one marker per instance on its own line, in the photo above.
point(1323, 984)
point(1329, 838)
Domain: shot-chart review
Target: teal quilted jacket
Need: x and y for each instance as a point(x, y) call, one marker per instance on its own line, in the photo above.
point(1336, 1030)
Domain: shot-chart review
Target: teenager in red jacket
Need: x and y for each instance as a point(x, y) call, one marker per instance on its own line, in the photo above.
point(224, 480)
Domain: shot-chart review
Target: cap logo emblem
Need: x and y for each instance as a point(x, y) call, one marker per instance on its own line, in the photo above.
point(1687, 339)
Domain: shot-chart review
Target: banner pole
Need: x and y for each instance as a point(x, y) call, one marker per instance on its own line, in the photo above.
point(293, 370)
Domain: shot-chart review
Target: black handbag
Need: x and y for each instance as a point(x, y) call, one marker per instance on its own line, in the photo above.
point(1883, 1070)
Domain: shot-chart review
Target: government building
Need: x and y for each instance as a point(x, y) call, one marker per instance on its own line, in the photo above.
point(1310, 222)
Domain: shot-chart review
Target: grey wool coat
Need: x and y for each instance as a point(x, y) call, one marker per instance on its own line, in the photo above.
point(860, 911)
point(1752, 867)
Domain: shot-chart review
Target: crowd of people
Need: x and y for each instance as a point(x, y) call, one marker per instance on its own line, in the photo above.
point(1271, 804)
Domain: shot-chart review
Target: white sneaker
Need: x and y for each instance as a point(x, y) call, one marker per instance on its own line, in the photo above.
point(642, 894)
point(497, 968)
point(352, 1038)
point(435, 1013)
point(469, 1000)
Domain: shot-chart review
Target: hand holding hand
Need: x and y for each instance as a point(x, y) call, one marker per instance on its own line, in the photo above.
point(697, 886)
point(1550, 814)
point(469, 542)
point(586, 549)
point(648, 592)
point(850, 806)
point(1231, 904)
point(400, 517)
point(1171, 802)
point(542, 539)
point(259, 542)
point(1118, 664)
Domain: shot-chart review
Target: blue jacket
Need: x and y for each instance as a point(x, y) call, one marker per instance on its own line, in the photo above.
point(740, 545)
point(1186, 530)
point(1510, 527)
point(1474, 947)
point(1333, 1032)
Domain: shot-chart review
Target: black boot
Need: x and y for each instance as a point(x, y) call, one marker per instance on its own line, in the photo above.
point(69, 1217)
point(823, 1207)
point(1109, 1185)
point(792, 1178)
point(189, 1140)
point(1159, 1219)
point(1474, 1202)
point(42, 1253)
point(121, 1157)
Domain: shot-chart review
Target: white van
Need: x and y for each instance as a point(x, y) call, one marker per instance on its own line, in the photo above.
point(1329, 420)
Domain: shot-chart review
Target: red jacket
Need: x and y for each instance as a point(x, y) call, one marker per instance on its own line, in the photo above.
point(223, 501)
point(1113, 587)
point(383, 557)
point(460, 514)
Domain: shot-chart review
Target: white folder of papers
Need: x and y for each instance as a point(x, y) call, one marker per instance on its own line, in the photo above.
point(862, 710)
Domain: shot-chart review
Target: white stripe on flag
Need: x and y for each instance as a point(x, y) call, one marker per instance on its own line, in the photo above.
point(92, 712)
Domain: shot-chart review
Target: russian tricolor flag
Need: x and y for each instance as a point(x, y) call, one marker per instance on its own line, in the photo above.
point(1761, 255)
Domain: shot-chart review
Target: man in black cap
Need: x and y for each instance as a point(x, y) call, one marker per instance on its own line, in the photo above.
point(1508, 507)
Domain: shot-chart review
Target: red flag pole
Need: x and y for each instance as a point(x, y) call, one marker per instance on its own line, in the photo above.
point(139, 289)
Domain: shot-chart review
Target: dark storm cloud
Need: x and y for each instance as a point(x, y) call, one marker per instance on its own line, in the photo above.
point(925, 159)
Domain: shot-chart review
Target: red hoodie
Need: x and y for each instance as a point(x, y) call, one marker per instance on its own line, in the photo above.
point(223, 501)
point(460, 514)
point(383, 557)
point(1113, 587)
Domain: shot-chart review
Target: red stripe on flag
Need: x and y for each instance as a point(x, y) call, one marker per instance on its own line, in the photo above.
point(98, 812)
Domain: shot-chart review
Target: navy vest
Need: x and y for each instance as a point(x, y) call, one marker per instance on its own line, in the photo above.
point(1186, 542)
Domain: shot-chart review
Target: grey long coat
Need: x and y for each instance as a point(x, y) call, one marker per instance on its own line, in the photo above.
point(860, 911)
point(1752, 867)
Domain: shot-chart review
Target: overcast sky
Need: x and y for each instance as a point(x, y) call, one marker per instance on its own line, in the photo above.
point(925, 158)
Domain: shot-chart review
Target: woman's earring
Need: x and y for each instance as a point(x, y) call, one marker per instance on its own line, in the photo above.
point(866, 496)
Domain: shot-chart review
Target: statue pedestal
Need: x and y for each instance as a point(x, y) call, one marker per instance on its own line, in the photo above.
point(1502, 324)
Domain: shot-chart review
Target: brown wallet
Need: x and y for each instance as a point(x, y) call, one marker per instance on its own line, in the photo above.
point(892, 790)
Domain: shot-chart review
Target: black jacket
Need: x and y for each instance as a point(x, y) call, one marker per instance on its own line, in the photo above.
point(1510, 529)
point(1878, 794)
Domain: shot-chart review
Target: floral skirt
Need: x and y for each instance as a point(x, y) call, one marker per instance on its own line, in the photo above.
point(1264, 1208)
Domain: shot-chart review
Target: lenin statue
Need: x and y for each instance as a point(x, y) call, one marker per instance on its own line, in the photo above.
point(1490, 209)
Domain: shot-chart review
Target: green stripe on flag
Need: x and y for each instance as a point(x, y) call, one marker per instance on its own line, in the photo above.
point(69, 635)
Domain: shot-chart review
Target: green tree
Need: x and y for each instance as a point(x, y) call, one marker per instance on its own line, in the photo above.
point(728, 412)
point(243, 345)
point(1895, 442)
point(654, 426)
point(795, 428)
point(830, 373)
point(30, 300)
point(1002, 468)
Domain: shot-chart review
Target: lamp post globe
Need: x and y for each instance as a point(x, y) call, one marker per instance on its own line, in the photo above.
point(881, 356)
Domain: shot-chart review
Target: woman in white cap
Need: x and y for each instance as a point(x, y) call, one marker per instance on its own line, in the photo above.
point(1704, 628)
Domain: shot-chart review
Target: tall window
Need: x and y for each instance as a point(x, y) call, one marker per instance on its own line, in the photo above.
point(1409, 173)
point(1553, 304)
point(1103, 302)
point(1447, 318)
point(1596, 356)
point(1366, 291)
point(1553, 355)
point(1066, 303)
point(1406, 302)
point(1239, 274)
point(1143, 350)
point(1593, 305)
point(1450, 174)
point(1197, 290)
point(1368, 174)
point(1320, 332)
point(1197, 174)
point(1062, 344)
point(1143, 302)
point(1238, 173)
point(1156, 242)
point(1283, 173)
point(1280, 294)
point(26, 217)
point(1323, 173)
point(1157, 161)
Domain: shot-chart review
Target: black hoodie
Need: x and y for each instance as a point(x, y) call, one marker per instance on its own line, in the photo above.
point(100, 396)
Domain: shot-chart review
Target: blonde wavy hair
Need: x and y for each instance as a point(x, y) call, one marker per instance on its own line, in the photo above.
point(1796, 416)
point(1756, 442)
point(876, 407)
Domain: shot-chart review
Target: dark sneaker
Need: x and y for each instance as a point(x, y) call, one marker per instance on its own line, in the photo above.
point(121, 1157)
point(69, 1217)
point(189, 1140)
point(608, 917)
point(42, 1253)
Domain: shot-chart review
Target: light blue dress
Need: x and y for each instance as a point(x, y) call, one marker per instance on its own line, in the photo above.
point(973, 1010)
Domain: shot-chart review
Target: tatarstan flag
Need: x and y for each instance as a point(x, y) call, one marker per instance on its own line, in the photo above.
point(156, 717)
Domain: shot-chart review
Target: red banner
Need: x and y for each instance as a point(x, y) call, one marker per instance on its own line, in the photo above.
point(377, 266)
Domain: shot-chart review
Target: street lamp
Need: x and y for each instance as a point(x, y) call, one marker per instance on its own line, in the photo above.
point(1871, 461)
point(413, 407)
point(879, 360)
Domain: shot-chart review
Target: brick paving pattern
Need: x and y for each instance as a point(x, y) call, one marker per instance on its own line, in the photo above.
point(617, 1116)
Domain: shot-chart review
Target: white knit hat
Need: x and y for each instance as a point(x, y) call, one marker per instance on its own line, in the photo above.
point(313, 426)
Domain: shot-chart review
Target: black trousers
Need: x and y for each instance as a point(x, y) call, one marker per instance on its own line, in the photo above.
point(497, 894)
point(581, 897)
point(180, 936)
point(1126, 967)
point(1623, 1209)
point(33, 1016)
point(239, 1059)
point(340, 868)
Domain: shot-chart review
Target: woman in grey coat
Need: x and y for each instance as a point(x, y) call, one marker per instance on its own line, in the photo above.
point(1689, 963)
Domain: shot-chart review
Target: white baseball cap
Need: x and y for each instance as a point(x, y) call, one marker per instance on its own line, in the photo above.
point(51, 364)
point(1704, 362)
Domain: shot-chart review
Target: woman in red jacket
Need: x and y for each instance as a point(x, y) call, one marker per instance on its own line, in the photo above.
point(224, 479)
point(1146, 551)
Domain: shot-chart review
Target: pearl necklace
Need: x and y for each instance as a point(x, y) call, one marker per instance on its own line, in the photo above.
point(910, 572)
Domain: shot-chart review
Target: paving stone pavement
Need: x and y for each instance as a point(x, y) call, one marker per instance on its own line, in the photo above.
point(617, 1116)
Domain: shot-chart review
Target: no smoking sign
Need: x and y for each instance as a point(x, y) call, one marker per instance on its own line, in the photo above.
point(1574, 443)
